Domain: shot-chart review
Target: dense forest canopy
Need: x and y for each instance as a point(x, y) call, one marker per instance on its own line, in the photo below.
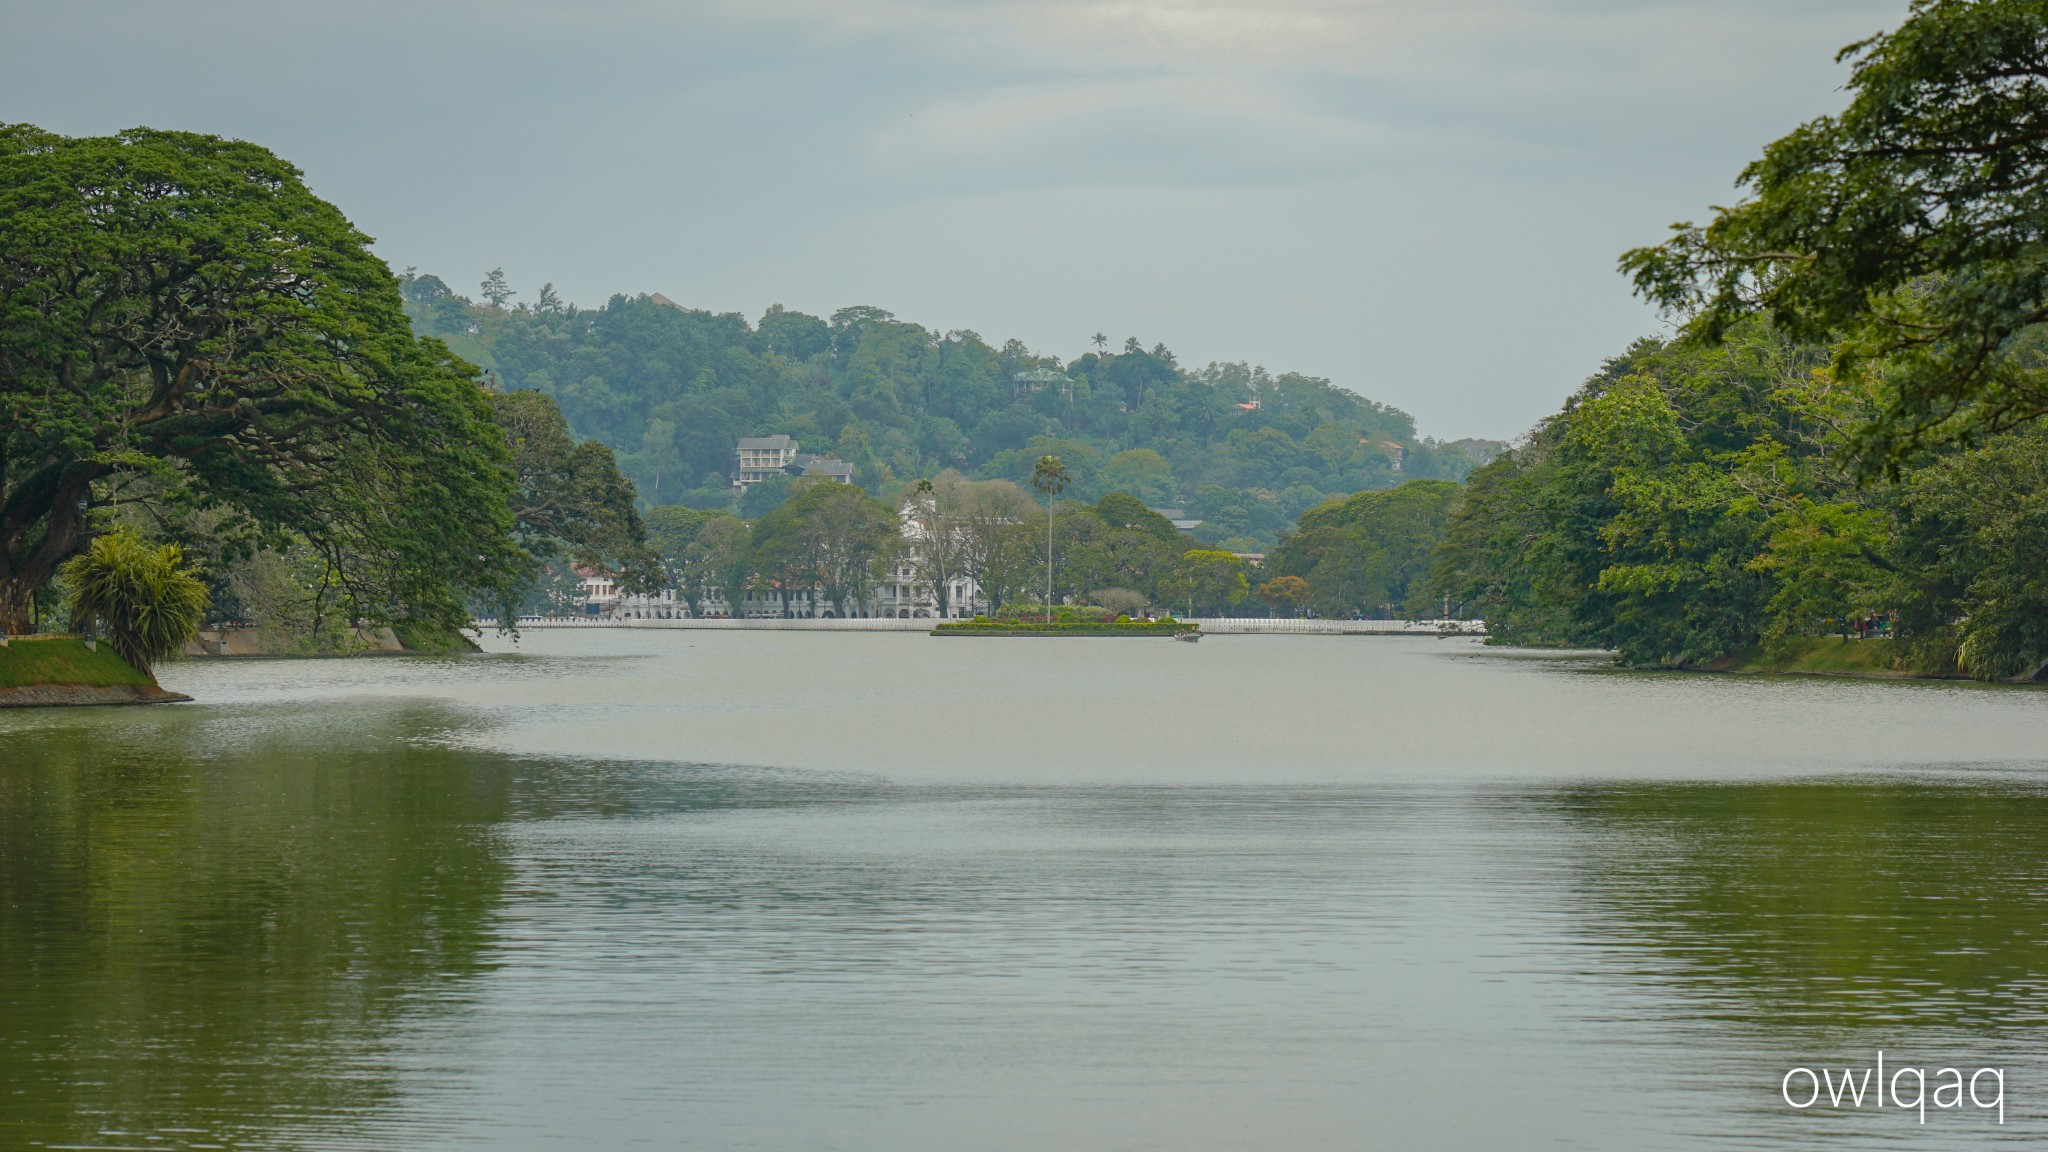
point(672, 389)
point(1696, 500)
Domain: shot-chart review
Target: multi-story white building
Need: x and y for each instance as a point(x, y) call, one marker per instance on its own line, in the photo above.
point(763, 457)
point(766, 457)
point(902, 594)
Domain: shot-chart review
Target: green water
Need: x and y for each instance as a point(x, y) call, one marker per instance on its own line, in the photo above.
point(752, 890)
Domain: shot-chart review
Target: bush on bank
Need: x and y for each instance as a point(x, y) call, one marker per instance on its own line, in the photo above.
point(1122, 626)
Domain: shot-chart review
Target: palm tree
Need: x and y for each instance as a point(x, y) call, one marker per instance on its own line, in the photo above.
point(1101, 343)
point(1050, 477)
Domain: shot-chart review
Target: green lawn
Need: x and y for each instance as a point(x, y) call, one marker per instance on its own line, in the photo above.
point(63, 660)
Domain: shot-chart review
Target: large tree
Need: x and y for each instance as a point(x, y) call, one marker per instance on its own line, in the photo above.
point(181, 319)
point(828, 538)
point(1911, 230)
point(1369, 551)
point(569, 497)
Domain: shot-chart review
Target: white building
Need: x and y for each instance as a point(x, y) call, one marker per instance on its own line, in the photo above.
point(603, 597)
point(763, 457)
point(766, 457)
point(901, 594)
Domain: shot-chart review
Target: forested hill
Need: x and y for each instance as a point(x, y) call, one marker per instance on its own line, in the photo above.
point(670, 389)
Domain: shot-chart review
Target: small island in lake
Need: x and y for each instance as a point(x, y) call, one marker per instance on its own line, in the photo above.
point(1066, 620)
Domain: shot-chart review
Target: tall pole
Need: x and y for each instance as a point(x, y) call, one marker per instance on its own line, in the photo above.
point(1050, 477)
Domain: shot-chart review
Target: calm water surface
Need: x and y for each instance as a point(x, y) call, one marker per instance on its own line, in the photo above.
point(623, 889)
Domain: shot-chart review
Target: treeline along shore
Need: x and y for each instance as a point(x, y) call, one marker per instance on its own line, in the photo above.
point(222, 410)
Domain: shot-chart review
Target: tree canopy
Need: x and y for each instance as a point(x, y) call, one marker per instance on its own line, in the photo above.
point(1910, 232)
point(183, 323)
point(672, 389)
point(1366, 555)
point(1694, 502)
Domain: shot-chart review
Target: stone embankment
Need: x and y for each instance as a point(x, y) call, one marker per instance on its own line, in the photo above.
point(1210, 626)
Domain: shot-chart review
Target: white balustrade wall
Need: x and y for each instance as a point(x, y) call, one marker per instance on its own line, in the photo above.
point(1210, 625)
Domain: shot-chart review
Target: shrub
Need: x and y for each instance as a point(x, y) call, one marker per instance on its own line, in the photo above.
point(1123, 601)
point(1063, 614)
point(143, 599)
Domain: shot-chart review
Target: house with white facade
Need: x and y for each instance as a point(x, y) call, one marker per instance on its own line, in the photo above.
point(761, 458)
point(901, 594)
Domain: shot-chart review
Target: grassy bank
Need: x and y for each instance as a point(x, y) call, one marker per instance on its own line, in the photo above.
point(31, 662)
point(983, 627)
point(1824, 656)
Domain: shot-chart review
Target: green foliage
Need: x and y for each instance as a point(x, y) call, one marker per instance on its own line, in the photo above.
point(1119, 510)
point(719, 558)
point(183, 324)
point(1206, 581)
point(143, 599)
point(1285, 594)
point(1063, 626)
point(671, 389)
point(570, 499)
point(765, 497)
point(1696, 501)
point(1907, 230)
point(1063, 614)
point(829, 538)
point(1365, 555)
point(1973, 558)
point(1639, 518)
point(671, 529)
point(1123, 602)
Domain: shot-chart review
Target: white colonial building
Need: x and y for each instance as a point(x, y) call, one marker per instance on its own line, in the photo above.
point(902, 593)
point(603, 597)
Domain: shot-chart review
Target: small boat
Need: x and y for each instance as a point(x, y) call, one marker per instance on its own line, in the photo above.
point(1187, 634)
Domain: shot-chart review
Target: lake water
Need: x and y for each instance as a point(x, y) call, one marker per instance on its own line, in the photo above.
point(731, 890)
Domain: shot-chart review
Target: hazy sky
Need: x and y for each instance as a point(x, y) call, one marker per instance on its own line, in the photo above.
point(1420, 199)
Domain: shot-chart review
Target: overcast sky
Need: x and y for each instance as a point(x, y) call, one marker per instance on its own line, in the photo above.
point(1420, 199)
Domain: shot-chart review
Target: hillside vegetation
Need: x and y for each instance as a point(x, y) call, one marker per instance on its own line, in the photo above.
point(671, 389)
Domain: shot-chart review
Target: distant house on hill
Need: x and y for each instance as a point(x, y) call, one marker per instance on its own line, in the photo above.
point(766, 457)
point(830, 467)
point(763, 457)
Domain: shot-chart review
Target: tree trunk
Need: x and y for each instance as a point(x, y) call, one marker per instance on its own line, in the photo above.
point(17, 609)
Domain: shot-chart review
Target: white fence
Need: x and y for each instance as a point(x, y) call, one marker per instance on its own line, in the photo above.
point(770, 625)
point(1211, 625)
